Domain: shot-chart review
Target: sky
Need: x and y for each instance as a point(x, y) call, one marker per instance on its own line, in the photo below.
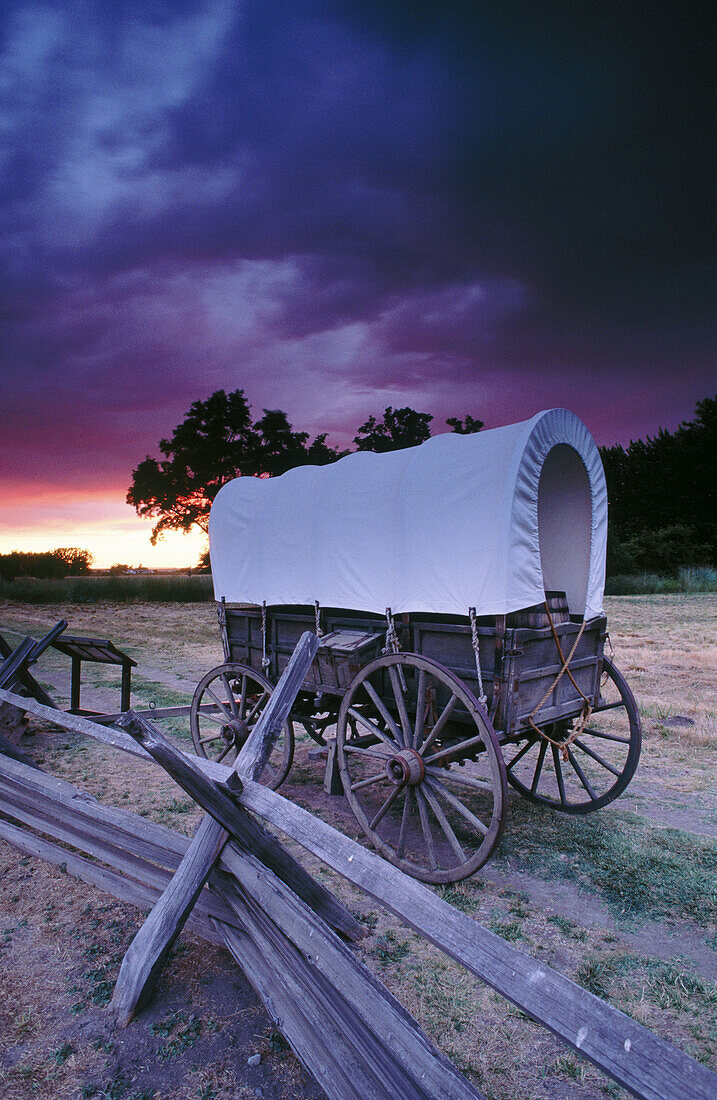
point(338, 206)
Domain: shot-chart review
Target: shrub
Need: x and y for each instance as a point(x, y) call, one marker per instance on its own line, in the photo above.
point(118, 589)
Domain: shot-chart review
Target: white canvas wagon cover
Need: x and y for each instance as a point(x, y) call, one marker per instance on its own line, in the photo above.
point(489, 521)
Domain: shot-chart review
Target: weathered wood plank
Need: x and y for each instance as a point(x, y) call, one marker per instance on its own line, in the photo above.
point(65, 824)
point(119, 886)
point(111, 736)
point(26, 678)
point(647, 1066)
point(9, 749)
point(348, 1059)
point(74, 722)
point(219, 801)
point(147, 954)
point(11, 665)
point(406, 1054)
point(352, 1014)
point(638, 1059)
point(152, 944)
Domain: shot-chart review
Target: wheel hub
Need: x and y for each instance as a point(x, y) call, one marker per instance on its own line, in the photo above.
point(234, 732)
point(406, 768)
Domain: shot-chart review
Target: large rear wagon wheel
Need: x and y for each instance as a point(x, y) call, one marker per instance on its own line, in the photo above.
point(237, 696)
point(421, 767)
point(601, 761)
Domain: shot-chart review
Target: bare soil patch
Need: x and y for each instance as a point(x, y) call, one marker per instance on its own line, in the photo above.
point(623, 901)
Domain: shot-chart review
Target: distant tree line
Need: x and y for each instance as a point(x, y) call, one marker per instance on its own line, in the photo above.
point(662, 490)
point(65, 561)
point(663, 497)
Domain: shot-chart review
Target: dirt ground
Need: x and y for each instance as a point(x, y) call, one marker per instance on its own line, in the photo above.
point(623, 901)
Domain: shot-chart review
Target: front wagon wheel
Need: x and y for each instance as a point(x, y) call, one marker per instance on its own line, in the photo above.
point(421, 767)
point(226, 706)
point(600, 762)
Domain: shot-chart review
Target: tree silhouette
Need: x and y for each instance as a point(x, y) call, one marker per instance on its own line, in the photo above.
point(216, 442)
point(398, 428)
point(468, 426)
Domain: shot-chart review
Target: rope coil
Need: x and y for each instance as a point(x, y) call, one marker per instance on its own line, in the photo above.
point(317, 620)
point(482, 698)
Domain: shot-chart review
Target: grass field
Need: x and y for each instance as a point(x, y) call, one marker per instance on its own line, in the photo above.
point(623, 901)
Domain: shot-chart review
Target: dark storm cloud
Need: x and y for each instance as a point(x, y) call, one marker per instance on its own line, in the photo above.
point(370, 201)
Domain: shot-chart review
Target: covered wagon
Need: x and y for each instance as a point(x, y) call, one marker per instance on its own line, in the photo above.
point(457, 588)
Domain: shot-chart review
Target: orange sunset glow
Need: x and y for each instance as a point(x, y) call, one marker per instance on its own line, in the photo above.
point(101, 522)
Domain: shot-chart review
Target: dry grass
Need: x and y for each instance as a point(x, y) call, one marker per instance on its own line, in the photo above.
point(557, 909)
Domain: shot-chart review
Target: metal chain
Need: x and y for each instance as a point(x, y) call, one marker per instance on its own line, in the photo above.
point(265, 662)
point(482, 698)
point(317, 620)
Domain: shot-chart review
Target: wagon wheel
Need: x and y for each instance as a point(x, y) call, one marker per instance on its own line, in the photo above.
point(421, 767)
point(601, 761)
point(239, 695)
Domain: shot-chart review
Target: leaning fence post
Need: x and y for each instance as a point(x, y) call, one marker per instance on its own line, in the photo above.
point(149, 949)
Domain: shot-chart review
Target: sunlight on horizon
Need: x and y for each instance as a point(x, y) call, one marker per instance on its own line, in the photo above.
point(104, 526)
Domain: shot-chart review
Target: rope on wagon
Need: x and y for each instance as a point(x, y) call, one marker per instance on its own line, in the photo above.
point(265, 662)
point(393, 645)
point(587, 709)
point(482, 698)
point(317, 620)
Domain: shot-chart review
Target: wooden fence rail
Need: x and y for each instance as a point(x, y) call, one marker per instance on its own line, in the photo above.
point(643, 1063)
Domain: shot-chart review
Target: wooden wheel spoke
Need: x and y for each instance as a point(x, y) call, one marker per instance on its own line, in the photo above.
point(440, 723)
point(605, 736)
point(230, 695)
point(519, 755)
point(539, 766)
point(458, 805)
point(372, 728)
point(242, 697)
point(421, 709)
point(213, 718)
point(610, 706)
point(451, 749)
point(405, 816)
point(559, 773)
point(210, 737)
point(223, 754)
point(596, 756)
point(361, 783)
point(222, 706)
point(445, 824)
point(400, 705)
point(255, 708)
point(582, 776)
point(467, 781)
point(426, 828)
point(376, 753)
point(386, 806)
